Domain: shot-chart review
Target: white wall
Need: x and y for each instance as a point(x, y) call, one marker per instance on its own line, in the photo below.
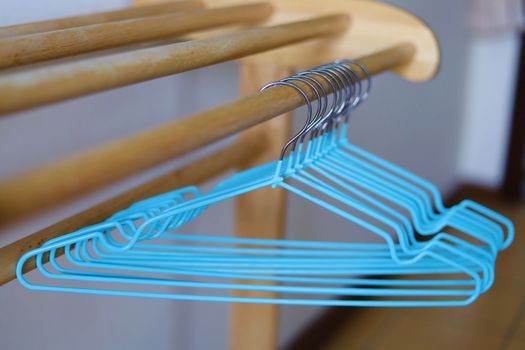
point(418, 126)
point(489, 99)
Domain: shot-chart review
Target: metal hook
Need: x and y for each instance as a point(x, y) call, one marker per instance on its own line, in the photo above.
point(347, 92)
point(308, 105)
point(325, 95)
point(320, 102)
point(350, 82)
point(365, 70)
point(340, 95)
point(333, 80)
point(353, 80)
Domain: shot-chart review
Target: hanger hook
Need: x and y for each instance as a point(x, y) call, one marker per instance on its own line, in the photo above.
point(365, 71)
point(308, 105)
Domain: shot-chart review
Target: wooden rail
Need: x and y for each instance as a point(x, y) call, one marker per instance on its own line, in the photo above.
point(39, 188)
point(100, 17)
point(195, 173)
point(39, 86)
point(19, 50)
point(377, 28)
point(260, 214)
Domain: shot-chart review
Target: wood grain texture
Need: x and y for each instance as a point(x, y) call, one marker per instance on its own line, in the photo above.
point(20, 50)
point(376, 25)
point(195, 173)
point(260, 214)
point(100, 17)
point(43, 85)
point(41, 188)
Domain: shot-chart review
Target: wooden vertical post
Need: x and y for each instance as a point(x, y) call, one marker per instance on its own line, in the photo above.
point(260, 214)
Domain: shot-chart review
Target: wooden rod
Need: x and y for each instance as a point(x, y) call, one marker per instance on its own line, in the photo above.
point(260, 214)
point(195, 173)
point(19, 50)
point(100, 17)
point(54, 183)
point(33, 87)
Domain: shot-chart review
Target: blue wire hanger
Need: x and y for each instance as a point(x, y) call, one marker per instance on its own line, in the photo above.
point(137, 252)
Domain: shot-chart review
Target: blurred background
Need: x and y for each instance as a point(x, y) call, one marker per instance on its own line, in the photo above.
point(464, 131)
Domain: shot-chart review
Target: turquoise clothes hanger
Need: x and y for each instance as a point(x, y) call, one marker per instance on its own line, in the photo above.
point(489, 221)
point(297, 272)
point(480, 223)
point(133, 251)
point(361, 267)
point(322, 157)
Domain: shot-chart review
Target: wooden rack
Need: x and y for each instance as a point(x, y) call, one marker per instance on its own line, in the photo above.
point(54, 60)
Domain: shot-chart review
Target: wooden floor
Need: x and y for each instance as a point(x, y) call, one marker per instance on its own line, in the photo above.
point(495, 321)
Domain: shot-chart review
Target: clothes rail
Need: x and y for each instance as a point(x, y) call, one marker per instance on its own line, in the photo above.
point(194, 173)
point(384, 36)
point(100, 17)
point(39, 188)
point(20, 50)
point(43, 85)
